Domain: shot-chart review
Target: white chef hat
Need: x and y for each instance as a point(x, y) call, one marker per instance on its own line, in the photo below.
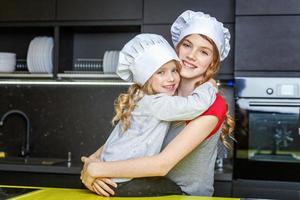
point(142, 56)
point(190, 22)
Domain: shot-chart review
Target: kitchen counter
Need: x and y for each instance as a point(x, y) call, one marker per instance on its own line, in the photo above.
point(45, 193)
point(59, 169)
point(223, 174)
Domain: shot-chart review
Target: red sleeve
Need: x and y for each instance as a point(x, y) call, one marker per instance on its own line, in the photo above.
point(218, 109)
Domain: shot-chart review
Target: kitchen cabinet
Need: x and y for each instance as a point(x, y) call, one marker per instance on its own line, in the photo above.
point(90, 43)
point(165, 12)
point(267, 44)
point(71, 43)
point(17, 38)
point(29, 10)
point(83, 30)
point(99, 9)
point(267, 7)
point(227, 66)
point(162, 29)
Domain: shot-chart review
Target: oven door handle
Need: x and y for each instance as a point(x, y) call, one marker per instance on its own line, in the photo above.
point(274, 103)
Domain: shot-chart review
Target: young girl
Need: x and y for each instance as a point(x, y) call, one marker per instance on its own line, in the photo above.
point(151, 63)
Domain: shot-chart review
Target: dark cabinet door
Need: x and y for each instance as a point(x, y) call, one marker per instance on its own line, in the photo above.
point(99, 9)
point(267, 43)
point(267, 7)
point(29, 10)
point(166, 11)
point(163, 30)
point(226, 67)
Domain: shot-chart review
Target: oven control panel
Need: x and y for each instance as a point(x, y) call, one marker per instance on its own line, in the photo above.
point(287, 90)
point(269, 91)
point(260, 87)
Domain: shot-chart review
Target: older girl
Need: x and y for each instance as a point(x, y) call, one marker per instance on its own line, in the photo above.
point(189, 155)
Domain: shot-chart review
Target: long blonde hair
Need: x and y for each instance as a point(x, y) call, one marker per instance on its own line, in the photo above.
point(213, 68)
point(126, 102)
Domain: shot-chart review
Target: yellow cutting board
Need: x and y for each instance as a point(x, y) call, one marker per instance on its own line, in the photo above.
point(79, 194)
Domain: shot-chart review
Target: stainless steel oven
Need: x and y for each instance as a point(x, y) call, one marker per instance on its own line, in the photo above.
point(267, 129)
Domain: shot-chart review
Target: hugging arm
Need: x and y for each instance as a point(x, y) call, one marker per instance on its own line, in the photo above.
point(178, 108)
point(158, 165)
point(97, 154)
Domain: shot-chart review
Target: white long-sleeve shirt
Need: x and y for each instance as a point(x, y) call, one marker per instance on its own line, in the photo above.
point(150, 121)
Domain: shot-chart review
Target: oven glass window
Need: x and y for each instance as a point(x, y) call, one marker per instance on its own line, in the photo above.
point(274, 137)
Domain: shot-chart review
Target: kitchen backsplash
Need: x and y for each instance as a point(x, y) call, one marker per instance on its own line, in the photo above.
point(63, 118)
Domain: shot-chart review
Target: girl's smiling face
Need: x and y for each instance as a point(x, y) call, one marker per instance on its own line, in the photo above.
point(166, 79)
point(196, 55)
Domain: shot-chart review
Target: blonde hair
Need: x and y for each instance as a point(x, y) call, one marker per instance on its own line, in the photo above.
point(213, 68)
point(126, 102)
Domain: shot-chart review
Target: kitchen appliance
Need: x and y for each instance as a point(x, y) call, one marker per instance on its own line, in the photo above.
point(267, 129)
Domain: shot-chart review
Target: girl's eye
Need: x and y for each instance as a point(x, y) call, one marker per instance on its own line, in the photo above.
point(174, 70)
point(204, 52)
point(186, 45)
point(160, 72)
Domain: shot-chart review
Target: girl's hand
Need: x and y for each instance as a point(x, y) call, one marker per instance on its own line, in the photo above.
point(85, 176)
point(86, 161)
point(102, 188)
point(87, 180)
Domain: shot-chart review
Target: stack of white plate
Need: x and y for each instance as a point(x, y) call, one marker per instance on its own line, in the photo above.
point(7, 62)
point(110, 61)
point(40, 55)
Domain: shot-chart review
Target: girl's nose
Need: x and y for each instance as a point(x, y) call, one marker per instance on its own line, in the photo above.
point(171, 77)
point(191, 55)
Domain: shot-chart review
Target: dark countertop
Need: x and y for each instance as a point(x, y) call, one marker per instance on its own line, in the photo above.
point(61, 168)
point(224, 174)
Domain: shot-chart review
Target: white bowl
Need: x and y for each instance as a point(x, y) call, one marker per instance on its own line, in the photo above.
point(7, 62)
point(7, 68)
point(7, 55)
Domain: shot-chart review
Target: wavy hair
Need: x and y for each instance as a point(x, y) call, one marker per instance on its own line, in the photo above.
point(126, 102)
point(213, 68)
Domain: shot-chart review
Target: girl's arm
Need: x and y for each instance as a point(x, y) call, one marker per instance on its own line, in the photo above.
point(178, 108)
point(158, 165)
point(92, 157)
point(97, 153)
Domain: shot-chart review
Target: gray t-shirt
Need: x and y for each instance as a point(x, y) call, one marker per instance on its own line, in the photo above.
point(195, 173)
